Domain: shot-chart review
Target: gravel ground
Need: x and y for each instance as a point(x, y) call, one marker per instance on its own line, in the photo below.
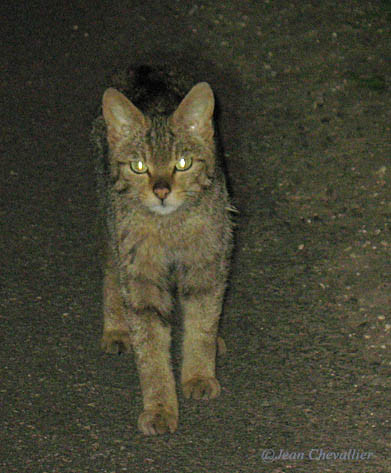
point(305, 115)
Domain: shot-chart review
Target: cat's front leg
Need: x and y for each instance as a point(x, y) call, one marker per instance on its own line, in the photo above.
point(116, 335)
point(151, 344)
point(149, 305)
point(202, 308)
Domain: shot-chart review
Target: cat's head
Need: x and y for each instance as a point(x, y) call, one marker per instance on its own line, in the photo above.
point(162, 162)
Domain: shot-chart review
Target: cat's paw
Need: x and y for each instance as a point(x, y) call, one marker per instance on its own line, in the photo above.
point(116, 341)
point(157, 421)
point(201, 388)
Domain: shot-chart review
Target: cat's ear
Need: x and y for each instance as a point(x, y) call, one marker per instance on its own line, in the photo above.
point(121, 116)
point(194, 114)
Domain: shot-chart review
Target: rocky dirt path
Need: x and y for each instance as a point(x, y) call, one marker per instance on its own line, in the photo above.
point(304, 99)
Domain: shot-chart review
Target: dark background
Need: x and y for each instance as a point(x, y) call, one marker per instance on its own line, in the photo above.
point(304, 100)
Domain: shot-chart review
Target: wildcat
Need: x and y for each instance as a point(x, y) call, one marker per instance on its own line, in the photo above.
point(168, 232)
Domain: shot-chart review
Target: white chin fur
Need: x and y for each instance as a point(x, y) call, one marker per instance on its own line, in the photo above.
point(162, 209)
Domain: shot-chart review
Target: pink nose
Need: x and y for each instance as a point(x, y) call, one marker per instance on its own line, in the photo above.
point(161, 189)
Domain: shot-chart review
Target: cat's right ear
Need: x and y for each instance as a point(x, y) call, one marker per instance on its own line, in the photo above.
point(122, 118)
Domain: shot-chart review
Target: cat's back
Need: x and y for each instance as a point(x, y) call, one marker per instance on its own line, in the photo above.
point(154, 90)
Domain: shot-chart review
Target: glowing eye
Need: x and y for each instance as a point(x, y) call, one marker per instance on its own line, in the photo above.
point(183, 164)
point(139, 167)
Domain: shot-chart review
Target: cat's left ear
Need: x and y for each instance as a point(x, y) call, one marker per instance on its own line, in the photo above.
point(195, 112)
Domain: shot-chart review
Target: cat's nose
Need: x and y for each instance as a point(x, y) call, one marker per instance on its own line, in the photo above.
point(161, 189)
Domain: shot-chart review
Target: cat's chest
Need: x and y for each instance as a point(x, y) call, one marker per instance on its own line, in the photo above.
point(164, 242)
